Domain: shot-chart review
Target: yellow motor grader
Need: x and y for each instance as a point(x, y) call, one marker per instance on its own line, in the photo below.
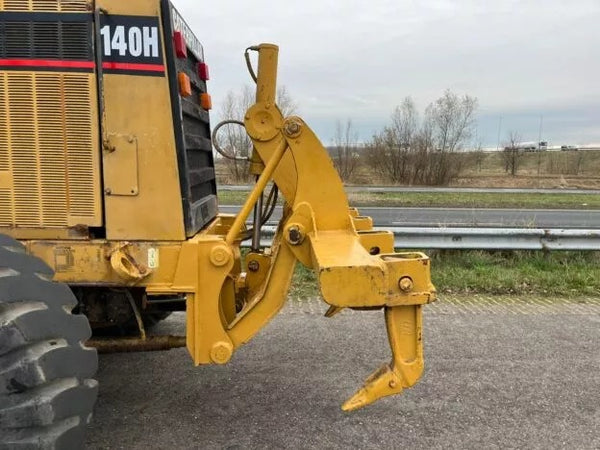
point(109, 213)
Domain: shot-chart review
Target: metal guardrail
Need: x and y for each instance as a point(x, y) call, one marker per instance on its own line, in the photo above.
point(497, 238)
point(486, 238)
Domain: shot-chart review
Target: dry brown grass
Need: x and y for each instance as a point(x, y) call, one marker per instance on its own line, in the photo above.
point(554, 168)
point(551, 169)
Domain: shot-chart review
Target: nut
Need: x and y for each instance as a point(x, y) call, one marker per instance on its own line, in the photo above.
point(253, 265)
point(292, 127)
point(405, 284)
point(295, 235)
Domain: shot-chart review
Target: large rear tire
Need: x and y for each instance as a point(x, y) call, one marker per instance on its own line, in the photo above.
point(47, 392)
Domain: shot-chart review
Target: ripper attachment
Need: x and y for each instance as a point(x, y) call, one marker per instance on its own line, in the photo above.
point(356, 265)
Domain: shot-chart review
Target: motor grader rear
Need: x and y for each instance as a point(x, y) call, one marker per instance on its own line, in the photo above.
point(107, 186)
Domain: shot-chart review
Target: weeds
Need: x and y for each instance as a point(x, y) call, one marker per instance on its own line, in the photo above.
point(562, 274)
point(517, 272)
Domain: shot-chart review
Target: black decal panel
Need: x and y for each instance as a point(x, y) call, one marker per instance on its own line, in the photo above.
point(131, 45)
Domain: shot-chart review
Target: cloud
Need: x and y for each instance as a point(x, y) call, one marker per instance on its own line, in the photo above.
point(358, 60)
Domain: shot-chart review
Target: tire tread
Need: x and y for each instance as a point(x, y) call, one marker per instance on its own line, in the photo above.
point(47, 390)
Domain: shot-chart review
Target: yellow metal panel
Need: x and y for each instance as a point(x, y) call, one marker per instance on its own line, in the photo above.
point(43, 233)
point(6, 216)
point(168, 267)
point(24, 161)
point(156, 213)
point(121, 165)
point(140, 106)
point(4, 159)
point(83, 155)
point(50, 148)
point(49, 151)
point(6, 208)
point(89, 262)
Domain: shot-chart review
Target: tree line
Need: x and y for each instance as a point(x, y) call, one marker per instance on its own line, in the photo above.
point(419, 149)
point(412, 148)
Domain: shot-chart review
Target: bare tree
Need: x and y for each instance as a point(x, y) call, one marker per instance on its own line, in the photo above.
point(413, 151)
point(453, 118)
point(232, 138)
point(345, 149)
point(286, 103)
point(479, 156)
point(405, 123)
point(512, 154)
point(389, 153)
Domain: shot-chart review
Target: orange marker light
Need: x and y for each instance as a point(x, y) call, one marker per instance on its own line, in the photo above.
point(206, 101)
point(185, 86)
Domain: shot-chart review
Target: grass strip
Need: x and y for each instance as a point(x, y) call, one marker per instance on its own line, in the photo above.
point(556, 274)
point(452, 199)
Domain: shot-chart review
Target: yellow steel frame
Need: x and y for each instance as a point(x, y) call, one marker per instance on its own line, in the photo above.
point(356, 266)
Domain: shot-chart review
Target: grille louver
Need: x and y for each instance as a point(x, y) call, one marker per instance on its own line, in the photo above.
point(48, 150)
point(46, 40)
point(46, 5)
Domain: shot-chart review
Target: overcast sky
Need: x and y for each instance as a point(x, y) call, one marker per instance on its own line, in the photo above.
point(350, 59)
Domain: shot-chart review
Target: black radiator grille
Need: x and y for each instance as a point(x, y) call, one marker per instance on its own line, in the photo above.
point(45, 40)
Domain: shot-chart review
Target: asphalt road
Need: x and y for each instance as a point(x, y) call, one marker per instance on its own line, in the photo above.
point(399, 189)
point(500, 373)
point(467, 217)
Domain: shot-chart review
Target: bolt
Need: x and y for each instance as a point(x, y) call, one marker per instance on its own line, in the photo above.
point(392, 384)
point(107, 191)
point(292, 128)
point(253, 266)
point(405, 284)
point(294, 235)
